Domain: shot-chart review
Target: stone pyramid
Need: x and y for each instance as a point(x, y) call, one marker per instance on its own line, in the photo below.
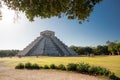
point(46, 45)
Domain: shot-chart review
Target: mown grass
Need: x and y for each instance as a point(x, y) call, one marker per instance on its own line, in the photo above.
point(110, 62)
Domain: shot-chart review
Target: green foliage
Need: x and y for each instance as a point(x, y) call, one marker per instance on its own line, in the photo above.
point(117, 48)
point(73, 9)
point(72, 67)
point(28, 65)
point(93, 70)
point(97, 70)
point(76, 49)
point(114, 77)
point(82, 50)
point(83, 67)
point(61, 67)
point(88, 50)
point(112, 48)
point(46, 67)
point(35, 66)
point(53, 66)
point(8, 53)
point(101, 50)
point(20, 66)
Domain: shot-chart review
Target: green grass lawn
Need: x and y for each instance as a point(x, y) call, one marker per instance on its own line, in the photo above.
point(110, 62)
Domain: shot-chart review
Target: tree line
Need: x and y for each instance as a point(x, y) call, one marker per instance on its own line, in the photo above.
point(8, 53)
point(111, 48)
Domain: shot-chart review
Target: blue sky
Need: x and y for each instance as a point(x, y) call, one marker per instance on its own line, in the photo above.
point(104, 25)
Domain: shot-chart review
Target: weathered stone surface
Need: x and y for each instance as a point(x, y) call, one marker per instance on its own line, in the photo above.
point(47, 45)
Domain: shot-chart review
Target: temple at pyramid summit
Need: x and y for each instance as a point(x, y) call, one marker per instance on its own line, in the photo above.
point(47, 44)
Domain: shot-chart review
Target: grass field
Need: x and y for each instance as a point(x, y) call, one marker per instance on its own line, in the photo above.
point(110, 62)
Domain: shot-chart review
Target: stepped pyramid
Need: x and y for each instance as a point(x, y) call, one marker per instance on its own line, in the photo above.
point(46, 45)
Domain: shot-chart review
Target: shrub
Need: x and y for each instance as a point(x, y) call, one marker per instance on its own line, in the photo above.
point(113, 77)
point(20, 66)
point(61, 67)
point(104, 71)
point(28, 65)
point(35, 66)
point(93, 70)
point(100, 70)
point(97, 70)
point(83, 68)
point(53, 66)
point(46, 67)
point(72, 67)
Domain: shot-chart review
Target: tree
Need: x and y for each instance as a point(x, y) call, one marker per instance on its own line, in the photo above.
point(73, 9)
point(82, 50)
point(88, 50)
point(75, 48)
point(8, 53)
point(111, 47)
point(117, 48)
point(101, 50)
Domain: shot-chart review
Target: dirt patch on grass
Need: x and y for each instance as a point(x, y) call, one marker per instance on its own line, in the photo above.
point(9, 73)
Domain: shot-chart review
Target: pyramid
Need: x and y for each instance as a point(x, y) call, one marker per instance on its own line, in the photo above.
point(47, 44)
